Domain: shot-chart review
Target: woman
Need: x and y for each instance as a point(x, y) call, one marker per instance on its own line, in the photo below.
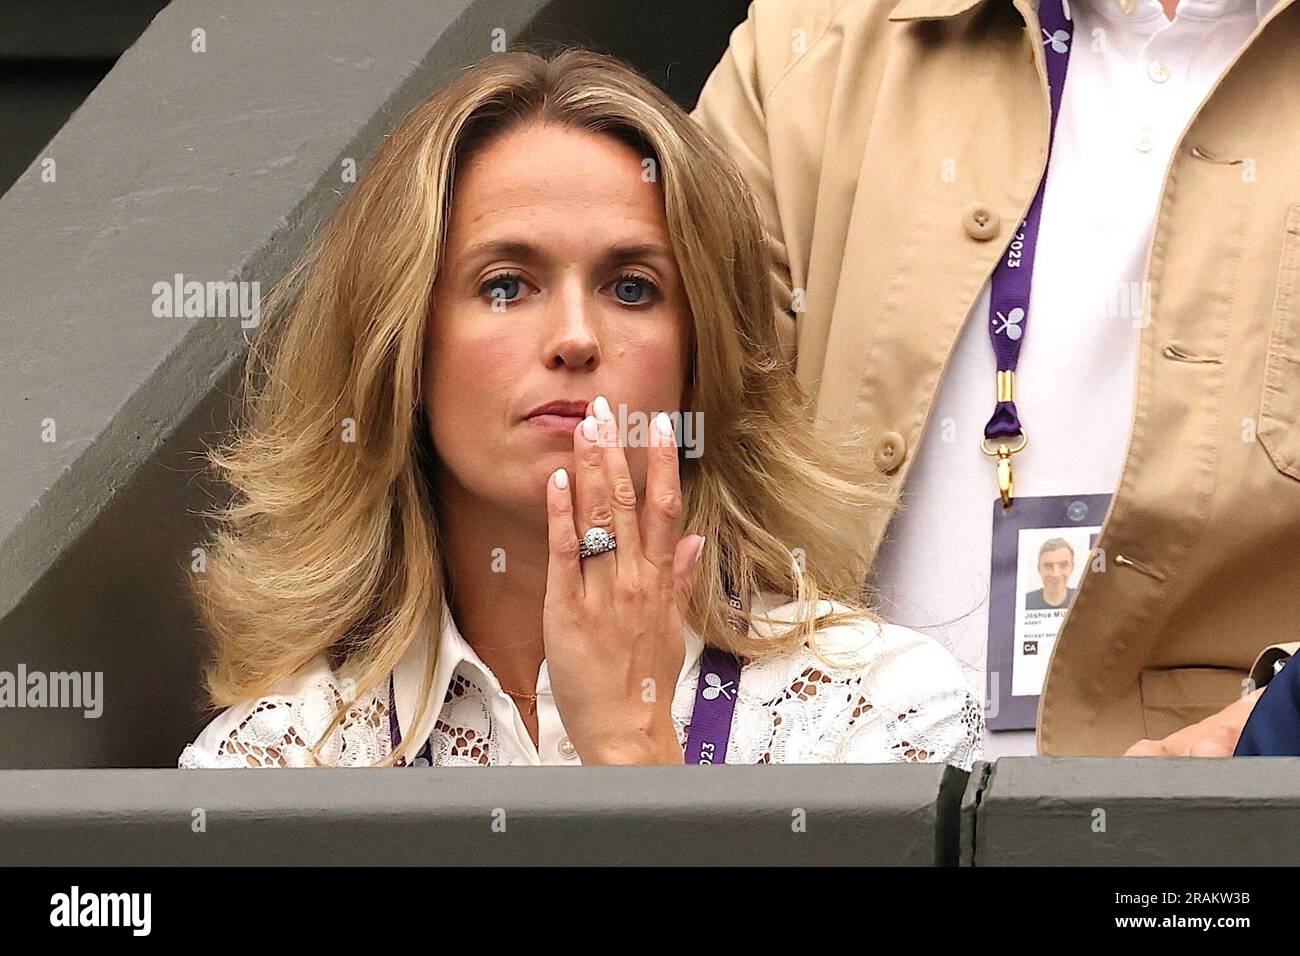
point(459, 530)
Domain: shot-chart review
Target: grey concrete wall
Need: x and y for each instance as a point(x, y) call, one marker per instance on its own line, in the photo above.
point(215, 165)
point(52, 53)
point(1033, 811)
point(851, 815)
point(1016, 812)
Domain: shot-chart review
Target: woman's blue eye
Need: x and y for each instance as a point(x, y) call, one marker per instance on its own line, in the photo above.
point(633, 289)
point(504, 288)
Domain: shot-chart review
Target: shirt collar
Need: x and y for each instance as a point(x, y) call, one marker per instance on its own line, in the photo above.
point(1149, 15)
point(943, 9)
point(452, 651)
point(408, 675)
point(1213, 9)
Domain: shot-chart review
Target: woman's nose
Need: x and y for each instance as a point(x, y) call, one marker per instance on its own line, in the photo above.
point(572, 340)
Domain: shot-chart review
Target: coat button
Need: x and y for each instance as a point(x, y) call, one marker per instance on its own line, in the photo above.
point(566, 748)
point(891, 449)
point(981, 222)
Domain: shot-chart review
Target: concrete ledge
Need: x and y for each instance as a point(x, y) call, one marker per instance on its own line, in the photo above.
point(1035, 811)
point(1017, 812)
point(853, 815)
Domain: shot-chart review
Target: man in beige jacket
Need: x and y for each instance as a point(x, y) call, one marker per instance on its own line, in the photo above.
point(895, 148)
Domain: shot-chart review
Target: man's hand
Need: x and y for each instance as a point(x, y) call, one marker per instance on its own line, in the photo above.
point(1215, 736)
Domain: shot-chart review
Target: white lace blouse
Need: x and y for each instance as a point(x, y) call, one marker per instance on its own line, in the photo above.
point(887, 694)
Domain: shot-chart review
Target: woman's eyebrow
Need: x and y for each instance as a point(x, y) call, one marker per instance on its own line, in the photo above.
point(638, 250)
point(501, 249)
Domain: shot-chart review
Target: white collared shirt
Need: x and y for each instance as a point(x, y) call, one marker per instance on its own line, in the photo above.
point(892, 695)
point(1135, 80)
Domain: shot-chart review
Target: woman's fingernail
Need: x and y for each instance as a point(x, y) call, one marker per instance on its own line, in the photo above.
point(589, 428)
point(665, 425)
point(699, 552)
point(561, 478)
point(601, 407)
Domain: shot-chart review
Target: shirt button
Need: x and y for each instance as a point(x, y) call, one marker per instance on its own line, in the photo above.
point(566, 748)
point(1143, 144)
point(981, 223)
point(890, 452)
point(1157, 71)
point(1126, 6)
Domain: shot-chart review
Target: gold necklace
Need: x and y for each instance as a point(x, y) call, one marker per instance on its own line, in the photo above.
point(531, 698)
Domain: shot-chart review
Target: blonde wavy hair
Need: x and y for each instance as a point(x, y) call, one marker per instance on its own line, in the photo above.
point(332, 547)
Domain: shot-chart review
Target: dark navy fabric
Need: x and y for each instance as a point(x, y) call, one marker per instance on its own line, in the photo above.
point(1273, 729)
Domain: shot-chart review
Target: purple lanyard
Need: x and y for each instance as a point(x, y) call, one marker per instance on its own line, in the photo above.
point(715, 702)
point(395, 732)
point(1010, 284)
point(715, 697)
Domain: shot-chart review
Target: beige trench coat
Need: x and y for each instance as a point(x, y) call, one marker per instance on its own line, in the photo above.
point(844, 114)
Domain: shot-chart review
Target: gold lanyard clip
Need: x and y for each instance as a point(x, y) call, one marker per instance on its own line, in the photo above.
point(1003, 453)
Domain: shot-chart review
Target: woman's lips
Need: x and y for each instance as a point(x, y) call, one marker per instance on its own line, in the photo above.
point(555, 423)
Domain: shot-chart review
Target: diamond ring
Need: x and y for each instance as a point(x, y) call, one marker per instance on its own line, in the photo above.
point(596, 541)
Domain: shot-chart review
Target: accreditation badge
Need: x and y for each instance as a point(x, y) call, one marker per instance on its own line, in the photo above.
point(1041, 548)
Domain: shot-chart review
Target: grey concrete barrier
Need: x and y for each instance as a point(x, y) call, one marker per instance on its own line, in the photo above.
point(1025, 811)
point(53, 53)
point(878, 815)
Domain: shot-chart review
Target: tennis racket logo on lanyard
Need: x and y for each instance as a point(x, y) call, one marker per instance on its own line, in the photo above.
point(715, 694)
point(1004, 435)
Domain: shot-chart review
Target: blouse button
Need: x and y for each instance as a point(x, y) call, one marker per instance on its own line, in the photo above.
point(567, 750)
point(981, 223)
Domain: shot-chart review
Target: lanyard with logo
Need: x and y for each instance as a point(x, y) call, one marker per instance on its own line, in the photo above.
point(715, 703)
point(715, 697)
point(1009, 294)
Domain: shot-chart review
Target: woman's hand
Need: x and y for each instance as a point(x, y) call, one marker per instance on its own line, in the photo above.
point(614, 623)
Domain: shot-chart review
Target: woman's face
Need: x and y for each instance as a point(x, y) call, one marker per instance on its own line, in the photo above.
point(558, 284)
